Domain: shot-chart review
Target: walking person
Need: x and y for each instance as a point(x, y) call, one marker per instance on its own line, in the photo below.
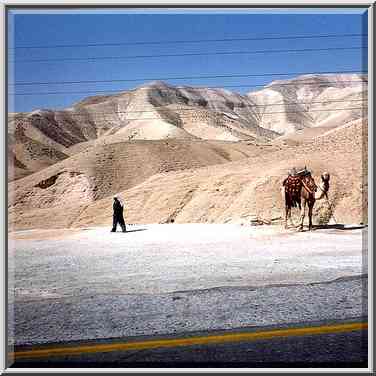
point(118, 208)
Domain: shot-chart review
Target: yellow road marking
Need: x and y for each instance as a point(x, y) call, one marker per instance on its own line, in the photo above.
point(152, 344)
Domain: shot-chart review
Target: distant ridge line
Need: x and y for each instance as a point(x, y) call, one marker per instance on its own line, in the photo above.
point(186, 77)
point(189, 87)
point(88, 114)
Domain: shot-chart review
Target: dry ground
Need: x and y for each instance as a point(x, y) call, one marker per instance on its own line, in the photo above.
point(169, 279)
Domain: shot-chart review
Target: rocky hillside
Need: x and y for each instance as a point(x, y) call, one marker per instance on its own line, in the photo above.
point(190, 155)
point(158, 111)
point(206, 181)
point(311, 101)
point(102, 170)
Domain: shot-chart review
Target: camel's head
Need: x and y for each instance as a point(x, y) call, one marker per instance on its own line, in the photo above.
point(325, 177)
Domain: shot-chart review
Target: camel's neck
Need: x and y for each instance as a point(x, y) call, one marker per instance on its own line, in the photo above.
point(322, 190)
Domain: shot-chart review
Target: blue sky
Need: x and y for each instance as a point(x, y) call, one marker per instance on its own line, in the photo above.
point(33, 28)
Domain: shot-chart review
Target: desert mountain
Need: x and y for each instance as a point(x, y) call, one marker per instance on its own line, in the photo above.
point(158, 111)
point(249, 189)
point(311, 101)
point(206, 181)
point(190, 155)
point(103, 170)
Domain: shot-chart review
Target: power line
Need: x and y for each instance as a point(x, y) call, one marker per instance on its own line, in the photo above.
point(183, 77)
point(262, 114)
point(189, 87)
point(218, 101)
point(192, 41)
point(88, 115)
point(130, 57)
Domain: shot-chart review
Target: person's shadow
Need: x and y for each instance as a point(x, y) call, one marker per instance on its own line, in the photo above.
point(137, 229)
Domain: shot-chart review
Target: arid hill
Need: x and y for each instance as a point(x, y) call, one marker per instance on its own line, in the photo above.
point(249, 189)
point(181, 154)
point(158, 111)
point(232, 182)
point(103, 170)
point(311, 101)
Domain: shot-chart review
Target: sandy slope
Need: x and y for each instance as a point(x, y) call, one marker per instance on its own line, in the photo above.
point(56, 195)
point(194, 181)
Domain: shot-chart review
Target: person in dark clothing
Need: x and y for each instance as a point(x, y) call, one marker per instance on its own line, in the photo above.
point(117, 217)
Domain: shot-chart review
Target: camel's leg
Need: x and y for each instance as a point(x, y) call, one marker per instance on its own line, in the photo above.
point(310, 207)
point(287, 212)
point(290, 216)
point(302, 214)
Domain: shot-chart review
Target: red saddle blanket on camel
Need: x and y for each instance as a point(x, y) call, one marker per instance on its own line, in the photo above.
point(293, 187)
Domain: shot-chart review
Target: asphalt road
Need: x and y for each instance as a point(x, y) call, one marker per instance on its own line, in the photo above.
point(324, 344)
point(162, 280)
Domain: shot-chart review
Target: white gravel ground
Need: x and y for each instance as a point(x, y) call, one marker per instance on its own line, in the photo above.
point(86, 284)
point(166, 258)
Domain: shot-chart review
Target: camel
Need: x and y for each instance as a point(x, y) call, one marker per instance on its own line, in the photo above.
point(299, 189)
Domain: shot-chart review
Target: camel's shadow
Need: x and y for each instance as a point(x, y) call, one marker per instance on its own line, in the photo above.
point(338, 226)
